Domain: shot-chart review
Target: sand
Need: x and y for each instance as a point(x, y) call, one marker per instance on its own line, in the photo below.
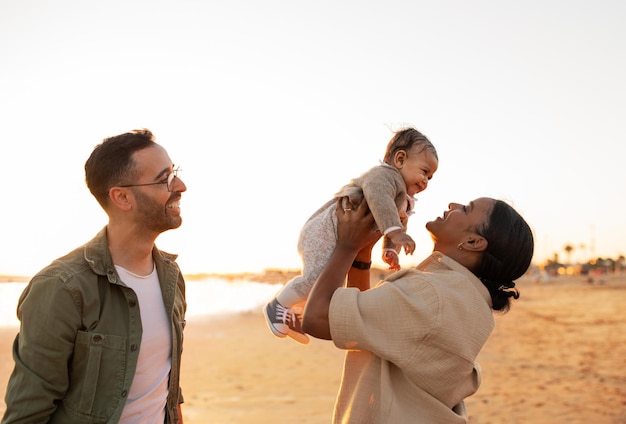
point(559, 356)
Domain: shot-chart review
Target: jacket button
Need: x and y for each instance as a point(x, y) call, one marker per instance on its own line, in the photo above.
point(97, 339)
point(132, 303)
point(133, 347)
point(124, 393)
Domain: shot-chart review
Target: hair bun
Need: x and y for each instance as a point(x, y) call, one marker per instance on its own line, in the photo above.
point(509, 290)
point(504, 289)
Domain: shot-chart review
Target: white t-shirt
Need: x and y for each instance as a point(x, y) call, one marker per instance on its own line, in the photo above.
point(148, 392)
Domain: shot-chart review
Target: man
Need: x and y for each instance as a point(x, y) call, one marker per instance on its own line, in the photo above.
point(101, 328)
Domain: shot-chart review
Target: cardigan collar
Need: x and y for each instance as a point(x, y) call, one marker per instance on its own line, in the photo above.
point(439, 261)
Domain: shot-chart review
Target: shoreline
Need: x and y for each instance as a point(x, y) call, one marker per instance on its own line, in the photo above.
point(267, 276)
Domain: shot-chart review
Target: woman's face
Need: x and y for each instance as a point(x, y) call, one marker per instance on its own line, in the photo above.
point(460, 221)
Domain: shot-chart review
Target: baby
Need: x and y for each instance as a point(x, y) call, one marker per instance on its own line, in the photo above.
point(410, 162)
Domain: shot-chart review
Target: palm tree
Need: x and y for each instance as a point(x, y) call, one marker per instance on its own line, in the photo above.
point(568, 250)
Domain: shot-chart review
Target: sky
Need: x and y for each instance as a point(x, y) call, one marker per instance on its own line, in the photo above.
point(270, 107)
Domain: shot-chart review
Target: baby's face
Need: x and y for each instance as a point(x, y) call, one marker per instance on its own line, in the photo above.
point(418, 169)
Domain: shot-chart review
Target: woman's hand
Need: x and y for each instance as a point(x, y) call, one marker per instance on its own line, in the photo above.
point(355, 229)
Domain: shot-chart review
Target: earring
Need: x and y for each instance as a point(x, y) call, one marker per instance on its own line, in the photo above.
point(460, 246)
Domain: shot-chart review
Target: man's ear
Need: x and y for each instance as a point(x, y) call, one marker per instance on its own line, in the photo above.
point(476, 244)
point(399, 158)
point(119, 198)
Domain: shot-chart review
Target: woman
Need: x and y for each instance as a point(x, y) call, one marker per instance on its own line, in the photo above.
point(412, 340)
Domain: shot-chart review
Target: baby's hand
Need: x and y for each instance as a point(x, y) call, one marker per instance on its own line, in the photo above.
point(390, 257)
point(401, 239)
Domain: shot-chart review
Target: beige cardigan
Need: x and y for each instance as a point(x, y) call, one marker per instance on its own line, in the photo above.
point(412, 343)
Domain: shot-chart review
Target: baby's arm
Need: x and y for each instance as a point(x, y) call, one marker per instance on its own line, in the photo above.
point(392, 246)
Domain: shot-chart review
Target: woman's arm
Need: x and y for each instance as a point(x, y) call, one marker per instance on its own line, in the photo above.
point(358, 276)
point(355, 240)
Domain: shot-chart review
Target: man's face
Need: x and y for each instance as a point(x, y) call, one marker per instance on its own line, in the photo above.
point(157, 209)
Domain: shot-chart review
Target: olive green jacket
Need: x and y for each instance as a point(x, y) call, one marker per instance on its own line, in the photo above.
point(76, 352)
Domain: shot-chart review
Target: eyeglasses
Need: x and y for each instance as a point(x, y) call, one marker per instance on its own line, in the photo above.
point(169, 181)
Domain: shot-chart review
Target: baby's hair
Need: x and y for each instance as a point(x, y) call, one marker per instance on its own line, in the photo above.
point(405, 139)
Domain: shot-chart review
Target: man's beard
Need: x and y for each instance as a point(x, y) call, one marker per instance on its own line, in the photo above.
point(154, 216)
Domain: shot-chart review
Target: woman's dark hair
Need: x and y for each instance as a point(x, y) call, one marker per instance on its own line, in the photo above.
point(405, 139)
point(508, 255)
point(111, 162)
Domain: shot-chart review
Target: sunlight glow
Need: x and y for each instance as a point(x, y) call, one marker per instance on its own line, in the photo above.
point(270, 108)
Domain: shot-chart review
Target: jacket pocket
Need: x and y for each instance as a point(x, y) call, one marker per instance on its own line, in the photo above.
point(97, 378)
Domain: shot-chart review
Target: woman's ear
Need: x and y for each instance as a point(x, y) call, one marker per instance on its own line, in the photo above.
point(476, 244)
point(399, 158)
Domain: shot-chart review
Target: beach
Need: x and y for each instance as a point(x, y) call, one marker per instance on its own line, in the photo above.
point(559, 356)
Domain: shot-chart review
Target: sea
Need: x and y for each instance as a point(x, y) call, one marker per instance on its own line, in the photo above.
point(210, 297)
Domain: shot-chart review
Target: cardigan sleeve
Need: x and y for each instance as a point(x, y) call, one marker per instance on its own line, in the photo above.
point(362, 320)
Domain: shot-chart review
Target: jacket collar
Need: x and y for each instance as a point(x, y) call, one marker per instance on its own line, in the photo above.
point(98, 256)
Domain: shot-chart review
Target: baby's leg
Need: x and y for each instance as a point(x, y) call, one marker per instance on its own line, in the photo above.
point(291, 295)
point(317, 243)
